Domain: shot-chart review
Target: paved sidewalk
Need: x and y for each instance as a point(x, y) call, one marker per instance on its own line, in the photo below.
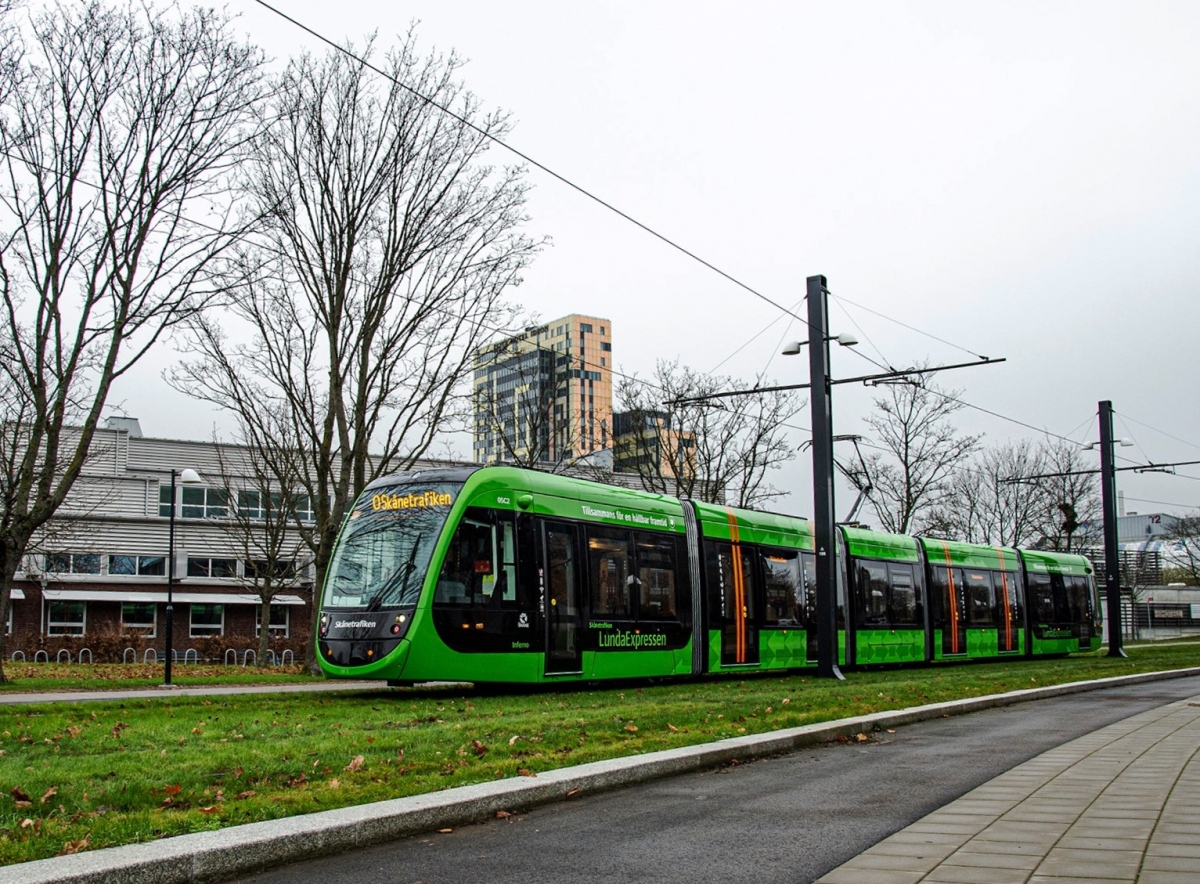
point(1119, 805)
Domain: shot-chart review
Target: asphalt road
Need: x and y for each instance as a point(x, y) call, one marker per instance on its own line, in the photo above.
point(788, 819)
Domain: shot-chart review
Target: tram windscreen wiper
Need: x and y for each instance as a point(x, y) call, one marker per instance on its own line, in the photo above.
point(398, 581)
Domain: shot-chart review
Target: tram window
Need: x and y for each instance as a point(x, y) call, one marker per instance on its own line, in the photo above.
point(783, 587)
point(1008, 584)
point(872, 589)
point(903, 608)
point(1062, 601)
point(480, 568)
point(1041, 597)
point(730, 578)
point(981, 598)
point(1078, 598)
point(656, 578)
point(609, 572)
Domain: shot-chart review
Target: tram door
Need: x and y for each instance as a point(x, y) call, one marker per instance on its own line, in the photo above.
point(951, 595)
point(731, 569)
point(562, 603)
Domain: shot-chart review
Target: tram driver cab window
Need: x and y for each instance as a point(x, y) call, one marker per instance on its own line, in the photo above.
point(479, 568)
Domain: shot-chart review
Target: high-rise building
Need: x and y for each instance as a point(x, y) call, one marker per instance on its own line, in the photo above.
point(649, 444)
point(545, 396)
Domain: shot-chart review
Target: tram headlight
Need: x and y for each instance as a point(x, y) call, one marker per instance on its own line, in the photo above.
point(324, 630)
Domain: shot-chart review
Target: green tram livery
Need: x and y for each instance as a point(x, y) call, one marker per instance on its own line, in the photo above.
point(502, 574)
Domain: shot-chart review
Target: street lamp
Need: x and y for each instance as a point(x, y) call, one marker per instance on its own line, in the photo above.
point(820, 405)
point(186, 477)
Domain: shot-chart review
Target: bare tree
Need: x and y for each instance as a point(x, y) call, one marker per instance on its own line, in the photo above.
point(1072, 516)
point(121, 133)
point(1183, 558)
point(1018, 494)
point(381, 261)
point(719, 451)
point(912, 422)
point(992, 499)
point(260, 525)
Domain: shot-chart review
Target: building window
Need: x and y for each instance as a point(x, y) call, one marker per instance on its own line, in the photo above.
point(207, 620)
point(164, 501)
point(252, 504)
point(279, 621)
point(260, 569)
point(602, 331)
point(137, 566)
point(72, 563)
point(204, 503)
point(141, 616)
point(585, 327)
point(8, 625)
point(606, 346)
point(66, 618)
point(224, 569)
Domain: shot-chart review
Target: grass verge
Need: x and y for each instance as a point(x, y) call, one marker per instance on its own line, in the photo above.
point(100, 774)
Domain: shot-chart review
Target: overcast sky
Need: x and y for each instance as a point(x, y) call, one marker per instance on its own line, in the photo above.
point(1018, 180)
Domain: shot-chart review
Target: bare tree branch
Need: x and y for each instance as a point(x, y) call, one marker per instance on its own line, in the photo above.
point(121, 133)
point(384, 253)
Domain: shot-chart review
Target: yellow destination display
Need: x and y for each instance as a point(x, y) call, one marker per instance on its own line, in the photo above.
point(419, 500)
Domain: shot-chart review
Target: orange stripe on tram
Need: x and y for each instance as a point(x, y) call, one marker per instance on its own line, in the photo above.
point(954, 649)
point(739, 591)
point(1008, 636)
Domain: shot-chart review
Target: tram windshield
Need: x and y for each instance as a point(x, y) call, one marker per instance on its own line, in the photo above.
point(385, 547)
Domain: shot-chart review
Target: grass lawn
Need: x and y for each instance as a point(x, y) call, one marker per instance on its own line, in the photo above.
point(88, 775)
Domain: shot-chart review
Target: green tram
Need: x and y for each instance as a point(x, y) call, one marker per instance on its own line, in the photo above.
point(502, 574)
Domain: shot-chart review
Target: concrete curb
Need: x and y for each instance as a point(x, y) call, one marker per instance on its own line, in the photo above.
point(209, 857)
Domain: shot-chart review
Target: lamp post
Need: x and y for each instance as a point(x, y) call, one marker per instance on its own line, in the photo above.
point(824, 527)
point(186, 477)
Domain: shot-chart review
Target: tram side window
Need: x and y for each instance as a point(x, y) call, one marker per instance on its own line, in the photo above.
point(609, 572)
point(1078, 598)
point(887, 595)
point(633, 575)
point(904, 609)
point(981, 598)
point(656, 580)
point(870, 580)
point(784, 589)
point(1041, 597)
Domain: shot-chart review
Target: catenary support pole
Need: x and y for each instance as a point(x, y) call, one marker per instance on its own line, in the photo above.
point(820, 405)
point(1112, 561)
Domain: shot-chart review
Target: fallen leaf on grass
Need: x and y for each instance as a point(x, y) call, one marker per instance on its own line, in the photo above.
point(479, 748)
point(50, 793)
point(20, 796)
point(76, 846)
point(525, 772)
point(356, 763)
point(632, 728)
point(249, 793)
